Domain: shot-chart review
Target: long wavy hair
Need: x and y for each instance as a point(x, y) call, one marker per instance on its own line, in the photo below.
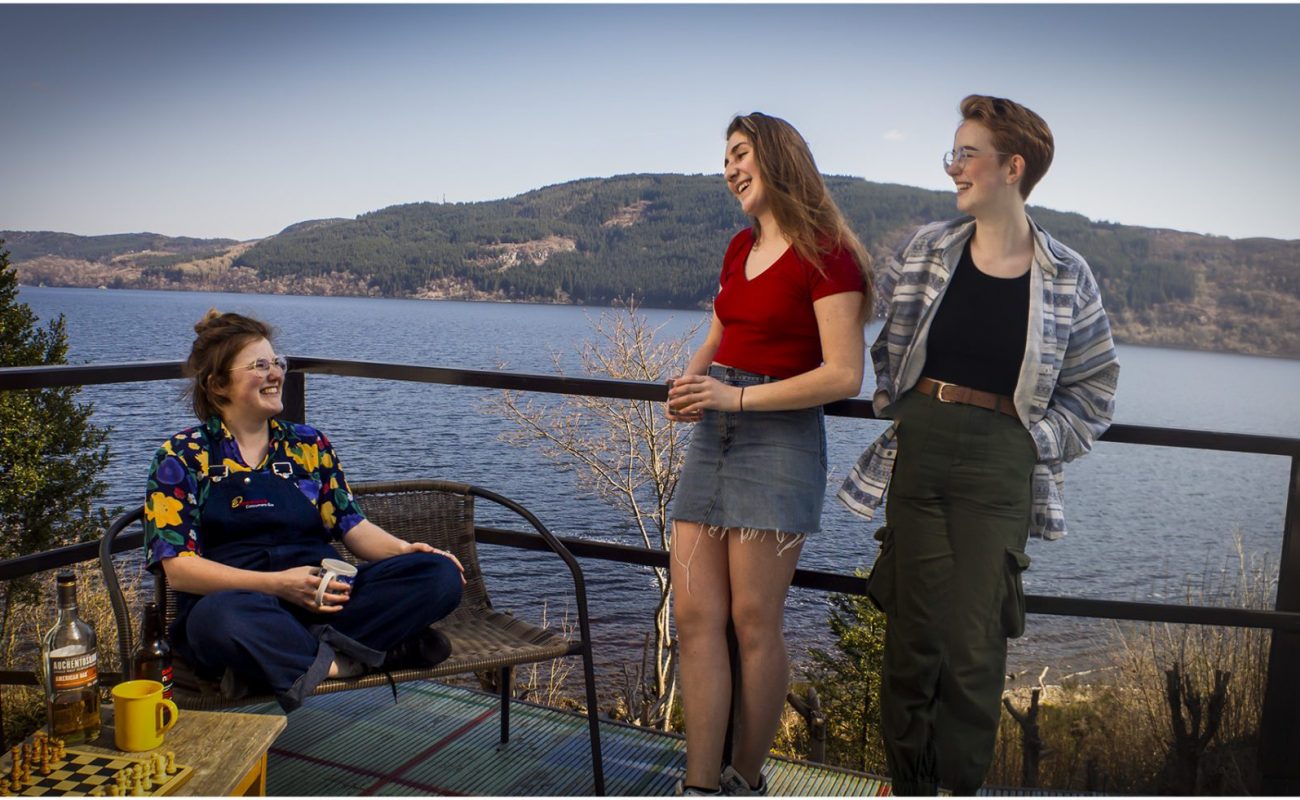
point(802, 206)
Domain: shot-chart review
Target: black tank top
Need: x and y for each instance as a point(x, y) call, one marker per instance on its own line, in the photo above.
point(977, 338)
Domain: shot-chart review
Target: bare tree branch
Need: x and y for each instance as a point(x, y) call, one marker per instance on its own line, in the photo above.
point(627, 453)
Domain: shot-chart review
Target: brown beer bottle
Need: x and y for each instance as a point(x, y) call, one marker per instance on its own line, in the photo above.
point(152, 658)
point(71, 659)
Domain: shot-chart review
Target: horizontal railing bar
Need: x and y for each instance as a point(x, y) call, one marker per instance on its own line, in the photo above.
point(487, 379)
point(9, 677)
point(56, 375)
point(852, 584)
point(22, 566)
point(803, 578)
point(1133, 611)
point(72, 375)
point(1202, 440)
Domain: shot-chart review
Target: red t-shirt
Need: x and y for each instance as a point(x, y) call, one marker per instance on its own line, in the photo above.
point(768, 324)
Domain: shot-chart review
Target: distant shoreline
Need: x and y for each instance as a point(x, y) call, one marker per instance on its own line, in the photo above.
point(1120, 338)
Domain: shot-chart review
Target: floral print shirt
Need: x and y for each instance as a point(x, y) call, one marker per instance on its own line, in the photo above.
point(178, 485)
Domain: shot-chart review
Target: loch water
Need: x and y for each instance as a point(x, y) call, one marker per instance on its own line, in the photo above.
point(1147, 523)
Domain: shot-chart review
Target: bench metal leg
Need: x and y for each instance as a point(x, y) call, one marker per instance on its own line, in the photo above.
point(507, 684)
point(593, 724)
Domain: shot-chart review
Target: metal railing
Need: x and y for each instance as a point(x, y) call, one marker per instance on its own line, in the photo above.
point(1279, 736)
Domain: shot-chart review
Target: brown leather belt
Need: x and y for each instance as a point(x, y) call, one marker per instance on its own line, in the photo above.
point(952, 393)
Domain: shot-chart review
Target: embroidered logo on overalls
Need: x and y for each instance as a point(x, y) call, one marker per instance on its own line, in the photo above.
point(240, 504)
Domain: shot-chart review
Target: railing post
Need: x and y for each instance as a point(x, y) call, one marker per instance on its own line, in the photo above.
point(294, 396)
point(1279, 736)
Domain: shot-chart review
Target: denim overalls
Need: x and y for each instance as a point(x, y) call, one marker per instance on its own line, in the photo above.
point(262, 521)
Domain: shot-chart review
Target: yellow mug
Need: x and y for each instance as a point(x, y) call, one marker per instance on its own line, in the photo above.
point(141, 715)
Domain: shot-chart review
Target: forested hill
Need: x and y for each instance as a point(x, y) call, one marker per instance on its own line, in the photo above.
point(660, 238)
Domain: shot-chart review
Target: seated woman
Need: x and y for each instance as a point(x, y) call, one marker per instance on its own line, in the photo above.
point(240, 511)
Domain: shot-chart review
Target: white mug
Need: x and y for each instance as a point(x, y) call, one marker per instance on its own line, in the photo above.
point(332, 569)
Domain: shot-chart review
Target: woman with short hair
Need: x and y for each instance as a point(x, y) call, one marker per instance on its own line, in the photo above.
point(996, 366)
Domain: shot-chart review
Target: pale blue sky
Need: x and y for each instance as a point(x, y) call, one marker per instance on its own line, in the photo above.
point(235, 120)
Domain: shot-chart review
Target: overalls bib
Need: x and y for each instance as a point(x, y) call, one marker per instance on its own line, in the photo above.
point(262, 521)
point(258, 520)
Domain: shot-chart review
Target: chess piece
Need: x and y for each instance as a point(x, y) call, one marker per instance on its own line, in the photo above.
point(27, 763)
point(16, 771)
point(171, 762)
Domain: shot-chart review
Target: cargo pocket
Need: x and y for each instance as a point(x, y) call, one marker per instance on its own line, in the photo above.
point(880, 583)
point(1013, 604)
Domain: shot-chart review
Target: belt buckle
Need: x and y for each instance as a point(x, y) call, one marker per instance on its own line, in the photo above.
point(938, 395)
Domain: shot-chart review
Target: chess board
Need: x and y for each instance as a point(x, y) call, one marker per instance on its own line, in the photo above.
point(80, 772)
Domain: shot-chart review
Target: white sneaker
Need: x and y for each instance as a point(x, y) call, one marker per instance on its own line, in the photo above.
point(682, 790)
point(735, 785)
point(347, 667)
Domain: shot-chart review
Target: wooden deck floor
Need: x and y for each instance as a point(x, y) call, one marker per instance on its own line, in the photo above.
point(440, 740)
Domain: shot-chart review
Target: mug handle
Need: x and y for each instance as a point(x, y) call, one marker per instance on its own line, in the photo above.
point(167, 709)
point(323, 586)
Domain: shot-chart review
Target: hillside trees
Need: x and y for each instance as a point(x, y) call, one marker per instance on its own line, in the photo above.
point(659, 238)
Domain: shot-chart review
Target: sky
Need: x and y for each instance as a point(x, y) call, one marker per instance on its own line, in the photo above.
point(236, 121)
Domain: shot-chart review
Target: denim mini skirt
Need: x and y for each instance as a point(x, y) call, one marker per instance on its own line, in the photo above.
point(754, 470)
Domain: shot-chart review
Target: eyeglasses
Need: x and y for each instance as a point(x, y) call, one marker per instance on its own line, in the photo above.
point(263, 365)
point(958, 157)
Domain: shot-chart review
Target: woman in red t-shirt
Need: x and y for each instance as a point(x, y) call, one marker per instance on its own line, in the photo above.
point(786, 338)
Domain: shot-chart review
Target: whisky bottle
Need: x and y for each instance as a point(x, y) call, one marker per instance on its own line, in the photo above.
point(71, 670)
point(152, 658)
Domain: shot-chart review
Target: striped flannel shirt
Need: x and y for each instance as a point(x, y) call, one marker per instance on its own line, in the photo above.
point(1065, 395)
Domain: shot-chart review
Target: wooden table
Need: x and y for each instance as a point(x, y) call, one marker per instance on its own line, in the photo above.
point(226, 749)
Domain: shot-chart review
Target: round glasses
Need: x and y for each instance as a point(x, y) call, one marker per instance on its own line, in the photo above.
point(957, 158)
point(263, 365)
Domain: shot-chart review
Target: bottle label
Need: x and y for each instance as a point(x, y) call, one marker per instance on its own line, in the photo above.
point(167, 681)
point(74, 672)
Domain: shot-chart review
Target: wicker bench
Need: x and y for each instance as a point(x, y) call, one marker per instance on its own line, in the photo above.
point(482, 638)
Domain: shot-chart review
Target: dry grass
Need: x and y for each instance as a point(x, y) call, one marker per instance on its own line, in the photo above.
point(544, 683)
point(1117, 736)
point(792, 740)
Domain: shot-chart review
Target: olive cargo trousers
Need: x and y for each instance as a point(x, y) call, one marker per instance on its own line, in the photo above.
point(948, 578)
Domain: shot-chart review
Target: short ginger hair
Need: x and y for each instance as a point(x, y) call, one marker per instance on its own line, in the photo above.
point(1016, 131)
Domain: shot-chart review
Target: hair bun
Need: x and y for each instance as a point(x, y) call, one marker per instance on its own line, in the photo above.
point(208, 318)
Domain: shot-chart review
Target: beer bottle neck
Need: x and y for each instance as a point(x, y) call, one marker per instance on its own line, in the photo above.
point(150, 629)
